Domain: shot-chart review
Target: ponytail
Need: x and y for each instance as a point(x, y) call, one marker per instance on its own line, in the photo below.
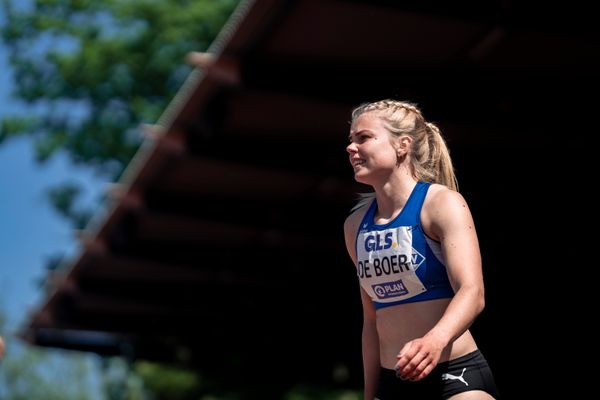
point(440, 163)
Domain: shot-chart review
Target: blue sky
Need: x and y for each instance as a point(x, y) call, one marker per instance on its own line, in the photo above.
point(30, 231)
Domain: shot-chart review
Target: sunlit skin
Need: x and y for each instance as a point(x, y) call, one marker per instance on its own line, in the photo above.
point(413, 338)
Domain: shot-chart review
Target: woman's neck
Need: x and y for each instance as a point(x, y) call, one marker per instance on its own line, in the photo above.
point(393, 195)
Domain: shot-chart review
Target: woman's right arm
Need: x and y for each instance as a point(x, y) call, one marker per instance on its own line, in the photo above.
point(370, 347)
point(370, 339)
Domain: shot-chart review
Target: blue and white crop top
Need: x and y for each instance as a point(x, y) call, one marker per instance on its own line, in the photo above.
point(396, 262)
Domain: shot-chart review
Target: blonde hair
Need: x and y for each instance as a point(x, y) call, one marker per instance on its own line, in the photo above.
point(429, 155)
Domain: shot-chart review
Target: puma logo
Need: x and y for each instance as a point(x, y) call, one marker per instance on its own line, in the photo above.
point(446, 377)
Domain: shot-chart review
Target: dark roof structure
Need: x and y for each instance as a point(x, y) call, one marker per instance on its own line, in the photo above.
point(224, 235)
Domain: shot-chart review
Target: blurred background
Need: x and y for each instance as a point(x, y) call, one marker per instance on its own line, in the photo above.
point(173, 185)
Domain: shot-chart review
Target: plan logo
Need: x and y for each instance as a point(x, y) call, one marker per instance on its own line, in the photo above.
point(390, 289)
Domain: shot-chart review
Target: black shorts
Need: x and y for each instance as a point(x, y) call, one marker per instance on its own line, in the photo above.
point(469, 372)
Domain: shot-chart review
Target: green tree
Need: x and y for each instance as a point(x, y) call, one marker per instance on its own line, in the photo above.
point(90, 72)
point(94, 70)
point(30, 373)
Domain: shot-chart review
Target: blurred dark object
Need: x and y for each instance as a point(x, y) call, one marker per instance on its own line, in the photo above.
point(224, 248)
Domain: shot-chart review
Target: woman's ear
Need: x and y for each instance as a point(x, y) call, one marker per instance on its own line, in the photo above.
point(404, 144)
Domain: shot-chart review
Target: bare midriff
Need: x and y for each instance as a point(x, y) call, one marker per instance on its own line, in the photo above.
point(399, 324)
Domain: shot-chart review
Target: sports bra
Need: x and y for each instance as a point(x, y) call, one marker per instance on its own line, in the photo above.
point(396, 262)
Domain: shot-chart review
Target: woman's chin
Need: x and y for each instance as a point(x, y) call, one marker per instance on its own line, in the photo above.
point(361, 177)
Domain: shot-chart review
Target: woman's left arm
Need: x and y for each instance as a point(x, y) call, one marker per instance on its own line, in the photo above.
point(447, 218)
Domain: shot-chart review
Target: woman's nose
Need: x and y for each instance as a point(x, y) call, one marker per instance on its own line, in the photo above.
point(351, 148)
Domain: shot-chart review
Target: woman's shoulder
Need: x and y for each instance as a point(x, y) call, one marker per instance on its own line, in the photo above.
point(441, 196)
point(443, 207)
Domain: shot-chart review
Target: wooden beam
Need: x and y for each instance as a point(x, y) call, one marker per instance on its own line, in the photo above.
point(114, 313)
point(283, 115)
point(129, 198)
point(219, 67)
point(164, 228)
point(211, 176)
point(129, 270)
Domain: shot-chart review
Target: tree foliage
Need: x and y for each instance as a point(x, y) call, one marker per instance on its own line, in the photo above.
point(102, 68)
point(29, 373)
point(92, 71)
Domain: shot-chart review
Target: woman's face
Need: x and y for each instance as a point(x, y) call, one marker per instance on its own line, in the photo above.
point(371, 153)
